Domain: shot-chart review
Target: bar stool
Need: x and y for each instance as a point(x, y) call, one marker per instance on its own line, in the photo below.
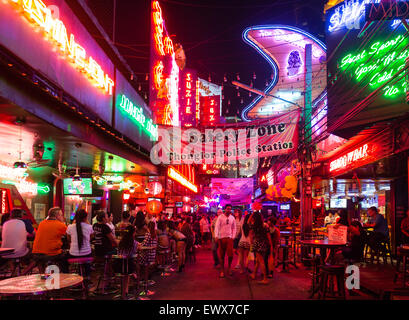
point(106, 276)
point(79, 265)
point(163, 255)
point(384, 250)
point(124, 276)
point(16, 266)
point(403, 254)
point(329, 273)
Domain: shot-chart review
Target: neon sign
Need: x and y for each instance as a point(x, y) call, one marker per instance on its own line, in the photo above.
point(164, 45)
point(136, 113)
point(177, 176)
point(39, 15)
point(379, 63)
point(349, 158)
point(347, 15)
point(197, 100)
point(3, 201)
point(210, 110)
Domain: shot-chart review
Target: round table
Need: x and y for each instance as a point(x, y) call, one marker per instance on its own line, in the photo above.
point(6, 251)
point(35, 284)
point(322, 245)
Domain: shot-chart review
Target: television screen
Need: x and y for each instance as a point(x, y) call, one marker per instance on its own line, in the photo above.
point(179, 204)
point(285, 206)
point(84, 188)
point(338, 203)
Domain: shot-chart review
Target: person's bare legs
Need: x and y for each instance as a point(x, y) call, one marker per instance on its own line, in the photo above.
point(243, 255)
point(256, 263)
point(260, 261)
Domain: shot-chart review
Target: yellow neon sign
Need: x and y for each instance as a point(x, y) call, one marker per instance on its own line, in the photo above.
point(38, 14)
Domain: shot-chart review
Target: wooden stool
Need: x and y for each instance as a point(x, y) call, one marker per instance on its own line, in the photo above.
point(328, 273)
point(403, 254)
point(124, 276)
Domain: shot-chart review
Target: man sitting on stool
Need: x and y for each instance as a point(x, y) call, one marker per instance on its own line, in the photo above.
point(380, 226)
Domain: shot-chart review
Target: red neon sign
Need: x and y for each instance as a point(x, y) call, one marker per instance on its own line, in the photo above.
point(39, 15)
point(164, 45)
point(349, 158)
point(210, 110)
point(177, 176)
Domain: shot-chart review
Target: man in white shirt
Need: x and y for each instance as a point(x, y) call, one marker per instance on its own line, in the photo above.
point(224, 232)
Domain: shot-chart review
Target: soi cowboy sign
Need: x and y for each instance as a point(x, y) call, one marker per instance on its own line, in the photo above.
point(37, 13)
point(228, 143)
point(349, 159)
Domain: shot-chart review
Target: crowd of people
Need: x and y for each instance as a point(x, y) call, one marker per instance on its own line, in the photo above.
point(250, 237)
point(357, 233)
point(138, 234)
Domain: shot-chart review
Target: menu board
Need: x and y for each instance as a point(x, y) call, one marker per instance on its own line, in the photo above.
point(337, 233)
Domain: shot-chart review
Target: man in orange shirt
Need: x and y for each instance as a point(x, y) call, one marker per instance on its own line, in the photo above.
point(48, 240)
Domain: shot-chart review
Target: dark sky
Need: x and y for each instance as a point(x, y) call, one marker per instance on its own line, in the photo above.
point(210, 32)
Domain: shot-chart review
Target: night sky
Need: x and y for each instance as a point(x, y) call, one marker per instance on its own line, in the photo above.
point(210, 32)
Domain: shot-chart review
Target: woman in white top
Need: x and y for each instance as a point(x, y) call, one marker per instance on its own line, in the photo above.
point(244, 244)
point(79, 235)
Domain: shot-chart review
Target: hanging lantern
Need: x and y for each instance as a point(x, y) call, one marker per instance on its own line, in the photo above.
point(154, 207)
point(228, 103)
point(155, 187)
point(254, 75)
point(139, 87)
point(238, 93)
point(256, 206)
point(210, 79)
point(186, 208)
point(238, 77)
point(251, 84)
point(147, 77)
point(249, 94)
point(225, 78)
point(241, 101)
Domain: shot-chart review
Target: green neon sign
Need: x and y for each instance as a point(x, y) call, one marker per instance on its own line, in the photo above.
point(43, 188)
point(136, 113)
point(379, 63)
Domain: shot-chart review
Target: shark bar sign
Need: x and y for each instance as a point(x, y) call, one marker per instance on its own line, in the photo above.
point(387, 10)
point(228, 143)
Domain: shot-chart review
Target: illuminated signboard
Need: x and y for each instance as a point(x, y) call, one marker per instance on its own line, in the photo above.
point(187, 98)
point(4, 201)
point(18, 178)
point(210, 110)
point(362, 64)
point(350, 158)
point(184, 181)
point(284, 49)
point(136, 113)
point(164, 80)
point(56, 32)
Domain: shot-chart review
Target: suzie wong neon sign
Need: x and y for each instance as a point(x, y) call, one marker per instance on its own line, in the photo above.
point(379, 63)
point(136, 113)
point(177, 176)
point(349, 158)
point(39, 15)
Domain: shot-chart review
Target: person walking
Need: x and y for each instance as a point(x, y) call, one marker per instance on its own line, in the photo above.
point(205, 229)
point(244, 245)
point(214, 242)
point(225, 231)
point(260, 245)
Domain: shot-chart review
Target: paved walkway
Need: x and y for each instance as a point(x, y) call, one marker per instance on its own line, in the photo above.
point(200, 281)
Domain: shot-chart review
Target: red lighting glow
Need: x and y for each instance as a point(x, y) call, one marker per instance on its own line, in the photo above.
point(177, 176)
point(349, 158)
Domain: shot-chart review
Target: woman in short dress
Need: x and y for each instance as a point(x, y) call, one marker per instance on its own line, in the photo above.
point(260, 245)
point(147, 257)
point(244, 245)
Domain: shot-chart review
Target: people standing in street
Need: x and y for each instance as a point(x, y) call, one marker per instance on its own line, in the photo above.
point(239, 222)
point(214, 242)
point(244, 244)
point(260, 245)
point(205, 229)
point(225, 231)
